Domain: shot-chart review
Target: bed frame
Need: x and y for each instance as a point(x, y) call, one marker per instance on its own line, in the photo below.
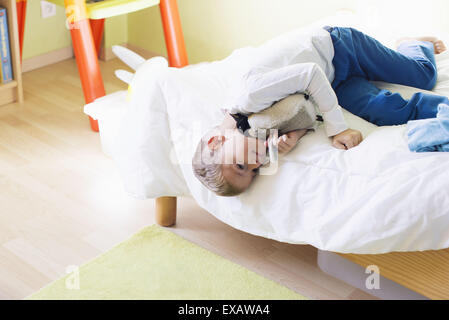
point(426, 273)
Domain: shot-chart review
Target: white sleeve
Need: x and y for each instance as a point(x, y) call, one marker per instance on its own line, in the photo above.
point(264, 88)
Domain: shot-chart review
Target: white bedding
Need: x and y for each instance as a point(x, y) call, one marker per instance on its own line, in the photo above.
point(376, 198)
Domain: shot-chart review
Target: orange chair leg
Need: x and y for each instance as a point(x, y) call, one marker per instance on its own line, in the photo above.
point(174, 39)
point(85, 53)
point(97, 27)
point(21, 6)
point(88, 67)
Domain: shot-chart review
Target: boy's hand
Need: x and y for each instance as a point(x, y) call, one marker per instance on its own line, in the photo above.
point(288, 141)
point(347, 139)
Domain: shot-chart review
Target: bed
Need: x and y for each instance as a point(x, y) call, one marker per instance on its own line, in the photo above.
point(378, 198)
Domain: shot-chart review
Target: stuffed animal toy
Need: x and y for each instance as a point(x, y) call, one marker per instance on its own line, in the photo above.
point(294, 112)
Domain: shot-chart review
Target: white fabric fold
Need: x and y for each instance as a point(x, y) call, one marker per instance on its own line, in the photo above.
point(263, 87)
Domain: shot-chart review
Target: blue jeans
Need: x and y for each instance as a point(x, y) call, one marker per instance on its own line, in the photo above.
point(360, 59)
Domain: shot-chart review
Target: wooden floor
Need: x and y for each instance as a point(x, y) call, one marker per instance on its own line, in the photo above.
point(62, 203)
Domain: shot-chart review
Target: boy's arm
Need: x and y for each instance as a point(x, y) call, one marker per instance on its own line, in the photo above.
point(265, 88)
point(288, 141)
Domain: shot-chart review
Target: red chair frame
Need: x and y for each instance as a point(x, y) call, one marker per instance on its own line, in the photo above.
point(86, 39)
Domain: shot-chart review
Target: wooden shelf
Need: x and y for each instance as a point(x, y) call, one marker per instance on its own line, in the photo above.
point(12, 91)
point(4, 86)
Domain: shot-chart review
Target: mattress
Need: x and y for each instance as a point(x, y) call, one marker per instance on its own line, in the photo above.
point(378, 197)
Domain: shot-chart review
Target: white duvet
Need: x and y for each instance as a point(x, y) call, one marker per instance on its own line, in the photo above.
point(378, 197)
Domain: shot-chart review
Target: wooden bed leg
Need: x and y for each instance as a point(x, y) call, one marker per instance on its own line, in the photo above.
point(166, 211)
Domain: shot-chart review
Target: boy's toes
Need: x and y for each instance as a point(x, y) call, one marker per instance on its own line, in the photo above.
point(440, 47)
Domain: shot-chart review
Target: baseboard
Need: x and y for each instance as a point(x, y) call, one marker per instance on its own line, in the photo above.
point(67, 53)
point(147, 54)
point(47, 59)
point(106, 54)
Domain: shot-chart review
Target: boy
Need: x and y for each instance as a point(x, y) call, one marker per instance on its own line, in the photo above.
point(334, 67)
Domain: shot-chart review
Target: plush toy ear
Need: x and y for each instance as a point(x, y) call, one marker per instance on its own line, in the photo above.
point(132, 59)
point(124, 75)
point(135, 61)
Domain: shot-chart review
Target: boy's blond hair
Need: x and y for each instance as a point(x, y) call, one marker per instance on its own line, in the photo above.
point(208, 169)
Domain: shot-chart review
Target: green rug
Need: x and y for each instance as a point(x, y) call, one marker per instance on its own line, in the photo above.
point(157, 264)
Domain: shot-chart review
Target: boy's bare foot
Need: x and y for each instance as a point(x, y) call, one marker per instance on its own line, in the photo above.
point(439, 46)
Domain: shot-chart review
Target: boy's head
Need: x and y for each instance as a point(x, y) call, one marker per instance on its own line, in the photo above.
point(226, 161)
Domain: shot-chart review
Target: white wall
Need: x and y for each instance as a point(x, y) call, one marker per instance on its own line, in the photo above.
point(406, 17)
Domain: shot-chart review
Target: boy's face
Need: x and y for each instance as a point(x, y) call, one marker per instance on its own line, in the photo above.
point(241, 157)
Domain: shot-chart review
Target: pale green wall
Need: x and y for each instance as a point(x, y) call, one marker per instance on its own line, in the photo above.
point(411, 17)
point(44, 35)
point(213, 28)
point(116, 30)
point(50, 34)
point(145, 30)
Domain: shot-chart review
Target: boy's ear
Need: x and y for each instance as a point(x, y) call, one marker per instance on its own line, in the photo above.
point(216, 142)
